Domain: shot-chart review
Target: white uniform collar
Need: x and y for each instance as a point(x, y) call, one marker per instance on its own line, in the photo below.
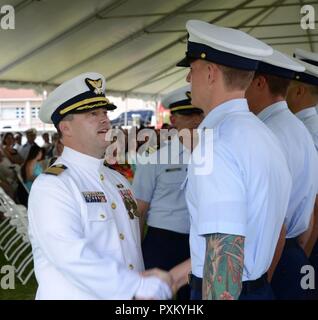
point(217, 114)
point(81, 159)
point(306, 113)
point(272, 109)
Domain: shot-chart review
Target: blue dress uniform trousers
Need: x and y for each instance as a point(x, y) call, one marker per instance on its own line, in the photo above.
point(165, 249)
point(286, 282)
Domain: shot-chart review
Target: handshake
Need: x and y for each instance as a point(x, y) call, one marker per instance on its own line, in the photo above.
point(157, 284)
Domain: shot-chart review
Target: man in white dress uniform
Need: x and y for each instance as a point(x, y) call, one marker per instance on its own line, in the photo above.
point(83, 222)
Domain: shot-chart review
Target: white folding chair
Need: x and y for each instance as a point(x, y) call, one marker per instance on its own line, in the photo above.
point(21, 267)
point(7, 236)
point(14, 252)
point(24, 265)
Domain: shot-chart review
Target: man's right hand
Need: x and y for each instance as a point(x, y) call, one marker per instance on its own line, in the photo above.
point(155, 285)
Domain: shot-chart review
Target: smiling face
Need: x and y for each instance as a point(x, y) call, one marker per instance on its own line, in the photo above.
point(85, 132)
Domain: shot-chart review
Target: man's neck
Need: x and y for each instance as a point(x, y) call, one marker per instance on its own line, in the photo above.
point(79, 149)
point(303, 105)
point(263, 104)
point(218, 100)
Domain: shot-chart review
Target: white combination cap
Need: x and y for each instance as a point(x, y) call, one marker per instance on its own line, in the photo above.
point(80, 94)
point(279, 64)
point(225, 46)
point(179, 101)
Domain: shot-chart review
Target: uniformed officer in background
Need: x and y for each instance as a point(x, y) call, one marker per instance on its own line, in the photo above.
point(157, 187)
point(302, 99)
point(237, 208)
point(267, 99)
point(83, 223)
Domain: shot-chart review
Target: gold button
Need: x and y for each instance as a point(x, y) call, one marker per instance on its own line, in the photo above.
point(121, 236)
point(203, 55)
point(101, 177)
point(131, 267)
point(102, 216)
point(114, 205)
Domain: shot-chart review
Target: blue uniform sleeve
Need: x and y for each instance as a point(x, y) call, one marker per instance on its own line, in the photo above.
point(221, 196)
point(144, 182)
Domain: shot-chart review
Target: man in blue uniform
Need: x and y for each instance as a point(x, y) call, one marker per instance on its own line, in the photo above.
point(302, 99)
point(157, 188)
point(237, 208)
point(266, 97)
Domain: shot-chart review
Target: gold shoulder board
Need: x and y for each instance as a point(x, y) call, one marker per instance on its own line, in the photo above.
point(56, 169)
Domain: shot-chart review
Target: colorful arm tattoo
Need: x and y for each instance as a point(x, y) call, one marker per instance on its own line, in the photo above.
point(223, 267)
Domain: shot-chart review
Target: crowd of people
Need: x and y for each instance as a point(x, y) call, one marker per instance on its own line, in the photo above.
point(20, 164)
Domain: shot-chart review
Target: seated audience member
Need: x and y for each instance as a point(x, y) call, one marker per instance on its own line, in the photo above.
point(8, 149)
point(32, 168)
point(57, 150)
point(18, 141)
point(31, 136)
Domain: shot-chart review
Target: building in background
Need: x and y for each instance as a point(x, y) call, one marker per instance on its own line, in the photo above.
point(19, 110)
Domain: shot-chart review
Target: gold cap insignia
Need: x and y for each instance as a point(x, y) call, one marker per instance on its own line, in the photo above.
point(95, 85)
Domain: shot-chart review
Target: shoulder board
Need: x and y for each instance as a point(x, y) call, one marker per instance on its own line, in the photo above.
point(55, 170)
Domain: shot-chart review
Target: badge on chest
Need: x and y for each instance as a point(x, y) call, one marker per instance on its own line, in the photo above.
point(129, 201)
point(94, 196)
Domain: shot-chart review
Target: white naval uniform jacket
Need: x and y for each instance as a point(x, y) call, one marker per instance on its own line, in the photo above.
point(85, 244)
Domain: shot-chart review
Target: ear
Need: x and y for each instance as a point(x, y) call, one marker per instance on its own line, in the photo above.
point(172, 119)
point(66, 128)
point(213, 71)
point(260, 82)
point(301, 90)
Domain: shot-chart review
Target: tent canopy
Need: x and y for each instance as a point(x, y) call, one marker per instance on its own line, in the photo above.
point(134, 43)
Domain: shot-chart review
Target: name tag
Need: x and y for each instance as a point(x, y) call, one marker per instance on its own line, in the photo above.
point(94, 196)
point(173, 169)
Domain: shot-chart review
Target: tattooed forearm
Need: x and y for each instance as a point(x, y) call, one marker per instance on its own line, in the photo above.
point(223, 267)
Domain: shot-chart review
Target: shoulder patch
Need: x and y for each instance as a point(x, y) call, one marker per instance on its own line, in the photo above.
point(56, 169)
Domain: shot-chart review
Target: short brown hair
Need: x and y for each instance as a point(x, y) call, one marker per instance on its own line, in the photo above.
point(236, 79)
point(278, 86)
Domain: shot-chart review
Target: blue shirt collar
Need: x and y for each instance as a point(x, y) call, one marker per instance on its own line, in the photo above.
point(213, 118)
point(272, 109)
point(306, 113)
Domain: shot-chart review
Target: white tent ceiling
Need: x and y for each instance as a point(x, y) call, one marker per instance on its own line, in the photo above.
point(134, 43)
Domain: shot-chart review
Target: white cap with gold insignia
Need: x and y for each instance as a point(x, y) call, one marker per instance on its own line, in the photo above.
point(80, 94)
point(179, 101)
